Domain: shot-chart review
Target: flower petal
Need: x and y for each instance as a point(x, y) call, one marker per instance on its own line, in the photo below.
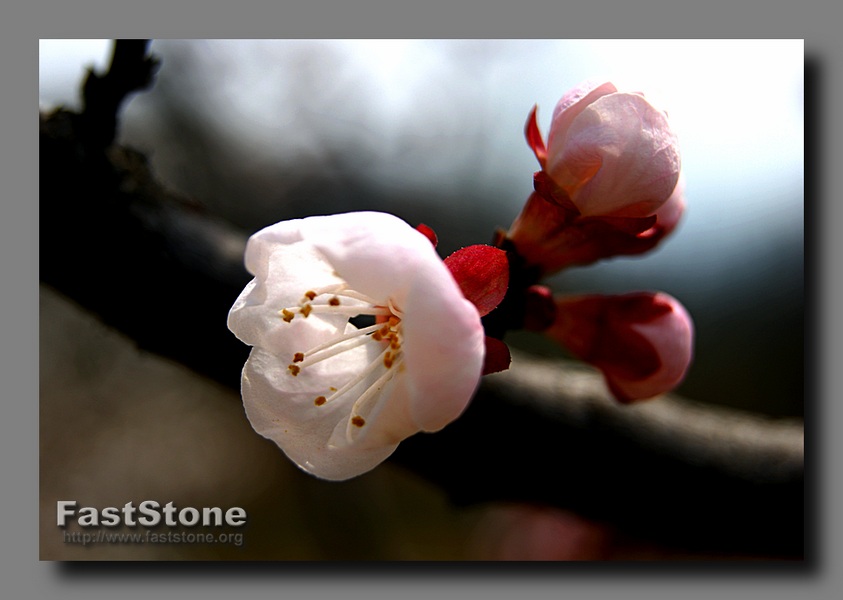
point(376, 253)
point(301, 429)
point(618, 157)
point(573, 103)
point(444, 348)
point(254, 317)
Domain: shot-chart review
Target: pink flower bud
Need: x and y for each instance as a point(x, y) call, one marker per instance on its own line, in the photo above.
point(643, 341)
point(609, 185)
point(612, 152)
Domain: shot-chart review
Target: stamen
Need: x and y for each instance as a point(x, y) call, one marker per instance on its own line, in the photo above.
point(301, 356)
point(334, 305)
point(352, 311)
point(357, 296)
point(326, 353)
point(386, 329)
point(328, 289)
point(340, 290)
point(359, 377)
point(365, 397)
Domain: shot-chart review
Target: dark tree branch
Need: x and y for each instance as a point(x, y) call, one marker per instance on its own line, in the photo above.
point(131, 70)
point(155, 266)
point(150, 263)
point(697, 477)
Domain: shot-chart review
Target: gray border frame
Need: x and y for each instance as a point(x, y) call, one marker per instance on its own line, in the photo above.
point(24, 576)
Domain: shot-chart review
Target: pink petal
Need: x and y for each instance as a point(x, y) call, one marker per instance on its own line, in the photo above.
point(618, 157)
point(573, 103)
point(443, 349)
point(376, 253)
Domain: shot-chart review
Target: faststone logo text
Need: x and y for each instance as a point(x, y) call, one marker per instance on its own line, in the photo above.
point(148, 513)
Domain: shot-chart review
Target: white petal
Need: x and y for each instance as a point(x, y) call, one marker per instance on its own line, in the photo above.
point(299, 427)
point(376, 253)
point(268, 239)
point(294, 269)
point(444, 349)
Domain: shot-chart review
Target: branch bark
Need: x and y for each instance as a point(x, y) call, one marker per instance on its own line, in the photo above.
point(696, 477)
point(159, 268)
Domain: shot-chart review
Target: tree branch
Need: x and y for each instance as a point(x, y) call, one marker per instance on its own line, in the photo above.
point(131, 70)
point(698, 477)
point(157, 267)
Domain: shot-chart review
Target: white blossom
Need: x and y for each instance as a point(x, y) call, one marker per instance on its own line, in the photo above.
point(338, 396)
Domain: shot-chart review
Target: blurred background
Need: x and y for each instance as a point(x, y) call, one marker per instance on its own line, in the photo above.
point(432, 131)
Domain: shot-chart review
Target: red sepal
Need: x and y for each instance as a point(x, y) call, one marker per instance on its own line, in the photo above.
point(482, 273)
point(534, 137)
point(428, 233)
point(547, 189)
point(539, 308)
point(497, 356)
